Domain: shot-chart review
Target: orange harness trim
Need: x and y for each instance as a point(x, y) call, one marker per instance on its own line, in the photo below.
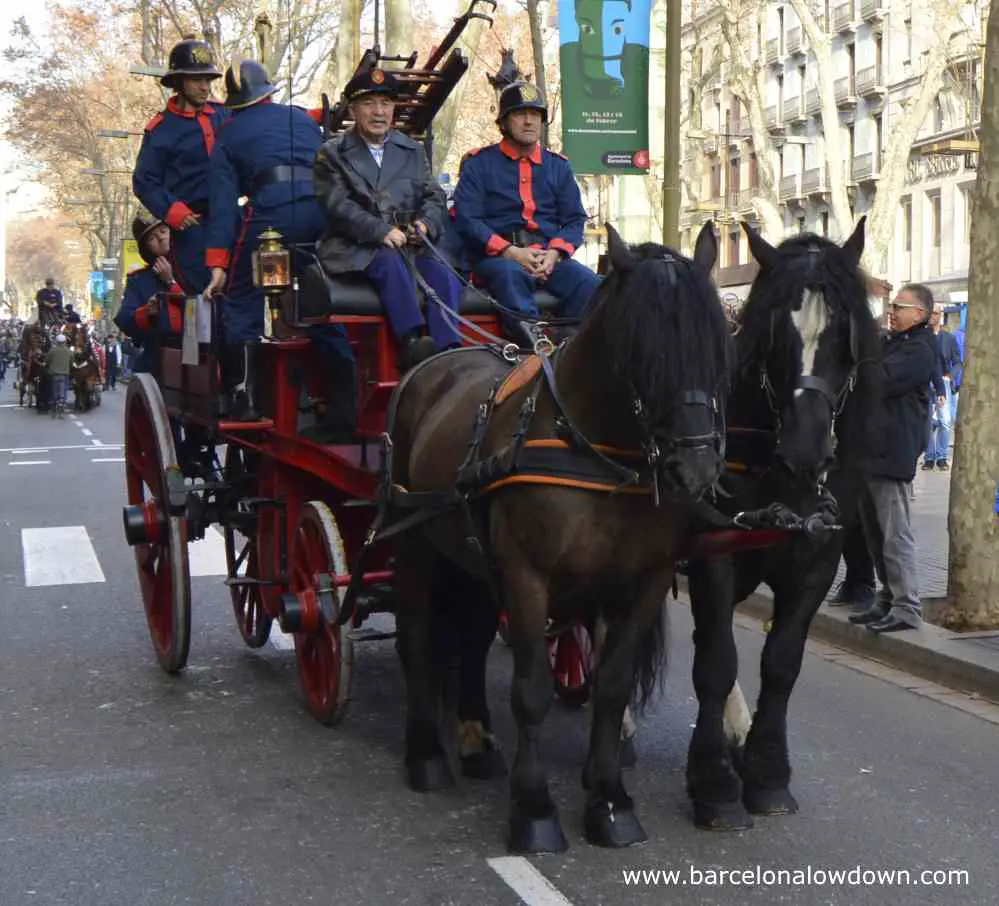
point(553, 443)
point(523, 373)
point(606, 488)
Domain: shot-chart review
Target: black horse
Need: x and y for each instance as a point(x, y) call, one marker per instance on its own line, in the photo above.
point(634, 392)
point(799, 410)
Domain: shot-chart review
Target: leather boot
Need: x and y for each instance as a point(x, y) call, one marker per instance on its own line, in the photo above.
point(239, 374)
point(414, 349)
point(339, 422)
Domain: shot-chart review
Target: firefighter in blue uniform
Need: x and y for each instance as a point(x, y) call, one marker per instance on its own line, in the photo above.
point(265, 152)
point(171, 173)
point(381, 199)
point(142, 314)
point(520, 214)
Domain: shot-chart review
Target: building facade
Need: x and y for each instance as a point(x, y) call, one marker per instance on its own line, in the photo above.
point(878, 51)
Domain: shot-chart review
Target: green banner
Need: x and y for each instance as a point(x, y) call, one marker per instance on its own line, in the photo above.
point(604, 57)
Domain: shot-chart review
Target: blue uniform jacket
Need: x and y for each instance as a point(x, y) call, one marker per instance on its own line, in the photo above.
point(501, 191)
point(140, 287)
point(171, 173)
point(252, 142)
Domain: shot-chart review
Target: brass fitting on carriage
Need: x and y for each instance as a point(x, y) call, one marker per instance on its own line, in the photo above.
point(272, 274)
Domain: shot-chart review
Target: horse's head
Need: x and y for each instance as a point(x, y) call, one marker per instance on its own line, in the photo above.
point(805, 330)
point(670, 349)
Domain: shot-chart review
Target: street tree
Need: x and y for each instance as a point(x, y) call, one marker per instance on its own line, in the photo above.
point(973, 521)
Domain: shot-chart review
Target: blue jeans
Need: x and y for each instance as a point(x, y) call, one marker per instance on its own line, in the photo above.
point(940, 424)
point(573, 284)
point(60, 386)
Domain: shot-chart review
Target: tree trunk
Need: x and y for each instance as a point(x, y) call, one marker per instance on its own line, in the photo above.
point(399, 36)
point(538, 53)
point(973, 524)
point(347, 50)
point(446, 121)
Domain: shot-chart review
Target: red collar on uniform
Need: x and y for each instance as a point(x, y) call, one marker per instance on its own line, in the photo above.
point(510, 151)
point(174, 107)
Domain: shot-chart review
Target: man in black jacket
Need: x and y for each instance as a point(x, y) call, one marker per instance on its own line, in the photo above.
point(909, 361)
point(380, 199)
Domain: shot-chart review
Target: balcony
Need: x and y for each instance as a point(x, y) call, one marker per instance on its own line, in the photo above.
point(710, 145)
point(771, 117)
point(866, 167)
point(795, 41)
point(794, 110)
point(870, 82)
point(790, 187)
point(873, 10)
point(846, 93)
point(773, 51)
point(843, 19)
point(964, 48)
point(813, 103)
point(815, 181)
point(743, 129)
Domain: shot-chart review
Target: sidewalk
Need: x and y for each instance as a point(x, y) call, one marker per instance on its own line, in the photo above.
point(965, 661)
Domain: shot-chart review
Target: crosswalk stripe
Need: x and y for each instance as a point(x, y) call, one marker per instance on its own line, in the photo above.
point(59, 555)
point(207, 556)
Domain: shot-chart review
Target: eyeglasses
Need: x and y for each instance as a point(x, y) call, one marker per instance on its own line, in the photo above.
point(906, 305)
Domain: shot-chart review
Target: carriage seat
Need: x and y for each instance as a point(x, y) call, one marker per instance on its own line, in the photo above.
point(351, 294)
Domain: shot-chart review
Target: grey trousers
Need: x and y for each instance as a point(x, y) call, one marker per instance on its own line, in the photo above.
point(884, 511)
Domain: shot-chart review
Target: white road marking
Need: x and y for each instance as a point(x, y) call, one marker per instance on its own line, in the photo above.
point(17, 450)
point(9, 406)
point(87, 432)
point(109, 459)
point(280, 639)
point(32, 462)
point(207, 556)
point(527, 882)
point(27, 450)
point(98, 443)
point(60, 555)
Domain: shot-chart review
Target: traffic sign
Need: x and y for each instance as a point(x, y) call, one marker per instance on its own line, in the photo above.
point(109, 262)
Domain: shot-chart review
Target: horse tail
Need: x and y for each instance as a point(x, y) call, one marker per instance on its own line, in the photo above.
point(652, 651)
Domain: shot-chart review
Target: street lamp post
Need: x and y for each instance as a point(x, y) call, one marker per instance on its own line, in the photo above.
point(671, 143)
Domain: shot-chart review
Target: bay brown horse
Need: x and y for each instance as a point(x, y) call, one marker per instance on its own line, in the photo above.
point(630, 413)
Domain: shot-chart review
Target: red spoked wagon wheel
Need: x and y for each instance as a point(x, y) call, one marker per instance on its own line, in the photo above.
point(570, 653)
point(242, 556)
point(157, 532)
point(325, 653)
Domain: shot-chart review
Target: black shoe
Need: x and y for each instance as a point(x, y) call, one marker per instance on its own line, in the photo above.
point(890, 624)
point(239, 371)
point(928, 465)
point(942, 465)
point(413, 350)
point(842, 595)
point(873, 615)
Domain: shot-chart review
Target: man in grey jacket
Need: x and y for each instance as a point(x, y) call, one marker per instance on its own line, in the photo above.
point(380, 199)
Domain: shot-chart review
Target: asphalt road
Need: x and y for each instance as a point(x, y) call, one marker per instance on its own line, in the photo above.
point(120, 785)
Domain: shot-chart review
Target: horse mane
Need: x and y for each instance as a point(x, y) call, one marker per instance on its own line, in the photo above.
point(664, 335)
point(766, 333)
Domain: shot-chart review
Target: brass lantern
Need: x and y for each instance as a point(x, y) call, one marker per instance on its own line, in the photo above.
point(271, 264)
point(271, 273)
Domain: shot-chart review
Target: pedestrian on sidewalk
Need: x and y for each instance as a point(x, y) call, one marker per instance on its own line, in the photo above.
point(941, 405)
point(112, 358)
point(909, 361)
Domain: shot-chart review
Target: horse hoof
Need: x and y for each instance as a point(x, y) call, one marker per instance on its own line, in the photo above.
point(484, 765)
point(629, 754)
point(761, 801)
point(429, 774)
point(536, 836)
point(603, 826)
point(722, 816)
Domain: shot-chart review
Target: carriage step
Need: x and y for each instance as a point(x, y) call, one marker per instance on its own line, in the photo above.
point(264, 424)
point(369, 635)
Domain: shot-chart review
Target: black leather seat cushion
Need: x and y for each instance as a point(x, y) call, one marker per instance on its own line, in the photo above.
point(353, 294)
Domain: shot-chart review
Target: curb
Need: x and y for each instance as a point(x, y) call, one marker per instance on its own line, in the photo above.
point(930, 653)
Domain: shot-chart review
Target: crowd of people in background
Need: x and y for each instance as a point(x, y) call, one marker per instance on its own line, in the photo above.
point(55, 352)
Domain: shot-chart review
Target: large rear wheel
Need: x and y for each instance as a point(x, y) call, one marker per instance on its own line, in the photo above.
point(157, 529)
point(325, 653)
point(241, 552)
